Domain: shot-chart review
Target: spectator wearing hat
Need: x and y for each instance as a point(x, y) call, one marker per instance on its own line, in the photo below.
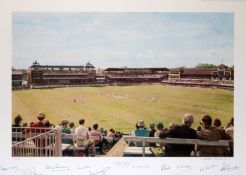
point(36, 128)
point(141, 131)
point(211, 133)
point(82, 136)
point(180, 131)
point(40, 117)
point(65, 130)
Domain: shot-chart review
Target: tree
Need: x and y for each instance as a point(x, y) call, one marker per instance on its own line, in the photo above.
point(205, 65)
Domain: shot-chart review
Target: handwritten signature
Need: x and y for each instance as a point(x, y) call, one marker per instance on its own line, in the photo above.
point(101, 172)
point(57, 167)
point(226, 167)
point(10, 168)
point(82, 167)
point(30, 171)
point(209, 167)
point(165, 167)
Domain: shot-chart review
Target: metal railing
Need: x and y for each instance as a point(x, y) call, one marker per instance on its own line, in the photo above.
point(36, 142)
point(195, 142)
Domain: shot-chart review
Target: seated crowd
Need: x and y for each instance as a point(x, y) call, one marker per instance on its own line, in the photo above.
point(207, 130)
point(84, 136)
point(101, 139)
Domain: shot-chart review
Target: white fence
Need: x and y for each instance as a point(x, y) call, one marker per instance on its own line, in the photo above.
point(36, 142)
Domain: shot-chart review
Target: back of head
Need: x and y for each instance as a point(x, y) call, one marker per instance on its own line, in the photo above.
point(64, 122)
point(137, 127)
point(18, 119)
point(47, 123)
point(81, 121)
point(188, 120)
point(95, 126)
point(71, 124)
point(41, 116)
point(151, 125)
point(160, 125)
point(217, 122)
point(206, 121)
point(232, 121)
point(141, 124)
point(171, 125)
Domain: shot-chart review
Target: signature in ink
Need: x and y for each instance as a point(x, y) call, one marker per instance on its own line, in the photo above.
point(165, 167)
point(82, 167)
point(101, 172)
point(10, 168)
point(207, 168)
point(57, 167)
point(30, 171)
point(226, 167)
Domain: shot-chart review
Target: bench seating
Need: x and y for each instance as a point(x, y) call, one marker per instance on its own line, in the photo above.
point(137, 151)
point(133, 151)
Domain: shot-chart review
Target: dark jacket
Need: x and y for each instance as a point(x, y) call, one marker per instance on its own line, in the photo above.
point(179, 131)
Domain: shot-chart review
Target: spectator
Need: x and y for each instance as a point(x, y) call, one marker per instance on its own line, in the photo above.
point(152, 130)
point(152, 133)
point(40, 142)
point(72, 127)
point(171, 125)
point(82, 137)
point(97, 137)
point(229, 130)
point(25, 130)
point(141, 132)
point(40, 123)
point(65, 130)
point(210, 133)
point(217, 124)
point(111, 136)
point(180, 131)
point(160, 129)
point(47, 124)
point(16, 127)
point(198, 129)
point(136, 127)
point(102, 132)
point(105, 133)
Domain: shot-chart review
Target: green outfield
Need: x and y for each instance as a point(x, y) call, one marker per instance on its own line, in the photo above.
point(120, 107)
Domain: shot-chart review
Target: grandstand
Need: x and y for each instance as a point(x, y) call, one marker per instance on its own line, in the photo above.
point(39, 76)
point(45, 75)
point(135, 75)
point(219, 73)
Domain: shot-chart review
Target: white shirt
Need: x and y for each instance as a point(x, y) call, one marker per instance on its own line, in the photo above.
point(82, 132)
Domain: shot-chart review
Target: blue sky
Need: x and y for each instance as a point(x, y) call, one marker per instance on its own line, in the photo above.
point(140, 39)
